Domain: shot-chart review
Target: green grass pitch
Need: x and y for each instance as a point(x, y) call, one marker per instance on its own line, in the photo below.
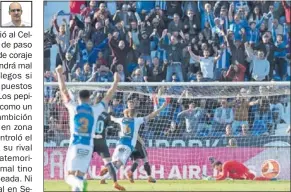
point(178, 185)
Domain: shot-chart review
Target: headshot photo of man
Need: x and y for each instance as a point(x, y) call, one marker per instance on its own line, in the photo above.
point(19, 14)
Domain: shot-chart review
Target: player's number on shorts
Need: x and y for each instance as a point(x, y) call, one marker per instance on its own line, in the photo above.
point(84, 122)
point(99, 127)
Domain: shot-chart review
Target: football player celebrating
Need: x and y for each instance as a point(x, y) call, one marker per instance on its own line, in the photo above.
point(82, 117)
point(129, 133)
point(138, 153)
point(100, 145)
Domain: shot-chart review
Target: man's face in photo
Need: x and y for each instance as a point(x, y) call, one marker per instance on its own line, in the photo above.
point(15, 11)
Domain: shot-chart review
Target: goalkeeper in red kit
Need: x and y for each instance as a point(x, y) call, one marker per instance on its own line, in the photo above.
point(235, 170)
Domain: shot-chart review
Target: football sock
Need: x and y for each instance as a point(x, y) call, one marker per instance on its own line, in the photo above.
point(147, 168)
point(112, 171)
point(133, 166)
point(74, 182)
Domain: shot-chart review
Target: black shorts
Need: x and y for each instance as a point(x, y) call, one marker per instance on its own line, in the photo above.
point(139, 151)
point(100, 147)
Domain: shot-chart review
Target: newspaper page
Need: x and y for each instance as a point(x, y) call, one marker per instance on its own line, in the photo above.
point(21, 98)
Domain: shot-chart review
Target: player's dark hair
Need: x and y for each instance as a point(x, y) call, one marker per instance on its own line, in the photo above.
point(84, 94)
point(217, 163)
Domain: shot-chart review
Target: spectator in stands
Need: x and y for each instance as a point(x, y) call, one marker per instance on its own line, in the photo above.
point(101, 60)
point(191, 23)
point(244, 131)
point(174, 53)
point(123, 16)
point(76, 75)
point(278, 28)
point(120, 71)
point(102, 14)
point(206, 63)
point(222, 116)
point(176, 90)
point(277, 110)
point(199, 76)
point(280, 57)
point(256, 15)
point(116, 109)
point(264, 113)
point(192, 116)
point(48, 77)
point(55, 128)
point(63, 37)
point(161, 17)
point(287, 9)
point(176, 25)
point(236, 46)
point(87, 71)
point(260, 65)
point(172, 132)
point(89, 11)
point(232, 142)
point(206, 12)
point(160, 34)
point(137, 76)
point(143, 66)
point(49, 138)
point(253, 33)
point(104, 74)
point(268, 48)
point(236, 72)
point(157, 72)
point(88, 52)
point(144, 46)
point(228, 131)
point(288, 129)
point(241, 110)
point(204, 125)
point(98, 35)
point(119, 49)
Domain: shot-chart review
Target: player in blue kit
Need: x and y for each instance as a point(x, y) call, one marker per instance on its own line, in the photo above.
point(82, 118)
point(129, 134)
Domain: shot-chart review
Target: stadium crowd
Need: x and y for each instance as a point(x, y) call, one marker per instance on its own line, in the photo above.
point(174, 41)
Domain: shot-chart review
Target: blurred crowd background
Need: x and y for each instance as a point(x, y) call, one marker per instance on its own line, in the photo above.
point(173, 41)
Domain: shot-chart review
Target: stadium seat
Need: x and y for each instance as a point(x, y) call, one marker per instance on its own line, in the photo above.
point(277, 78)
point(202, 134)
point(218, 74)
point(217, 134)
point(288, 78)
point(192, 77)
point(131, 67)
point(259, 127)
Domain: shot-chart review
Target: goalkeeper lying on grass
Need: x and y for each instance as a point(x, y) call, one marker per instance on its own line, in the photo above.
point(233, 170)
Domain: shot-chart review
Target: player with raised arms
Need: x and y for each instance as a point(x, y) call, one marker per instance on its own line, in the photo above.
point(128, 135)
point(234, 170)
point(83, 117)
point(139, 152)
point(100, 145)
